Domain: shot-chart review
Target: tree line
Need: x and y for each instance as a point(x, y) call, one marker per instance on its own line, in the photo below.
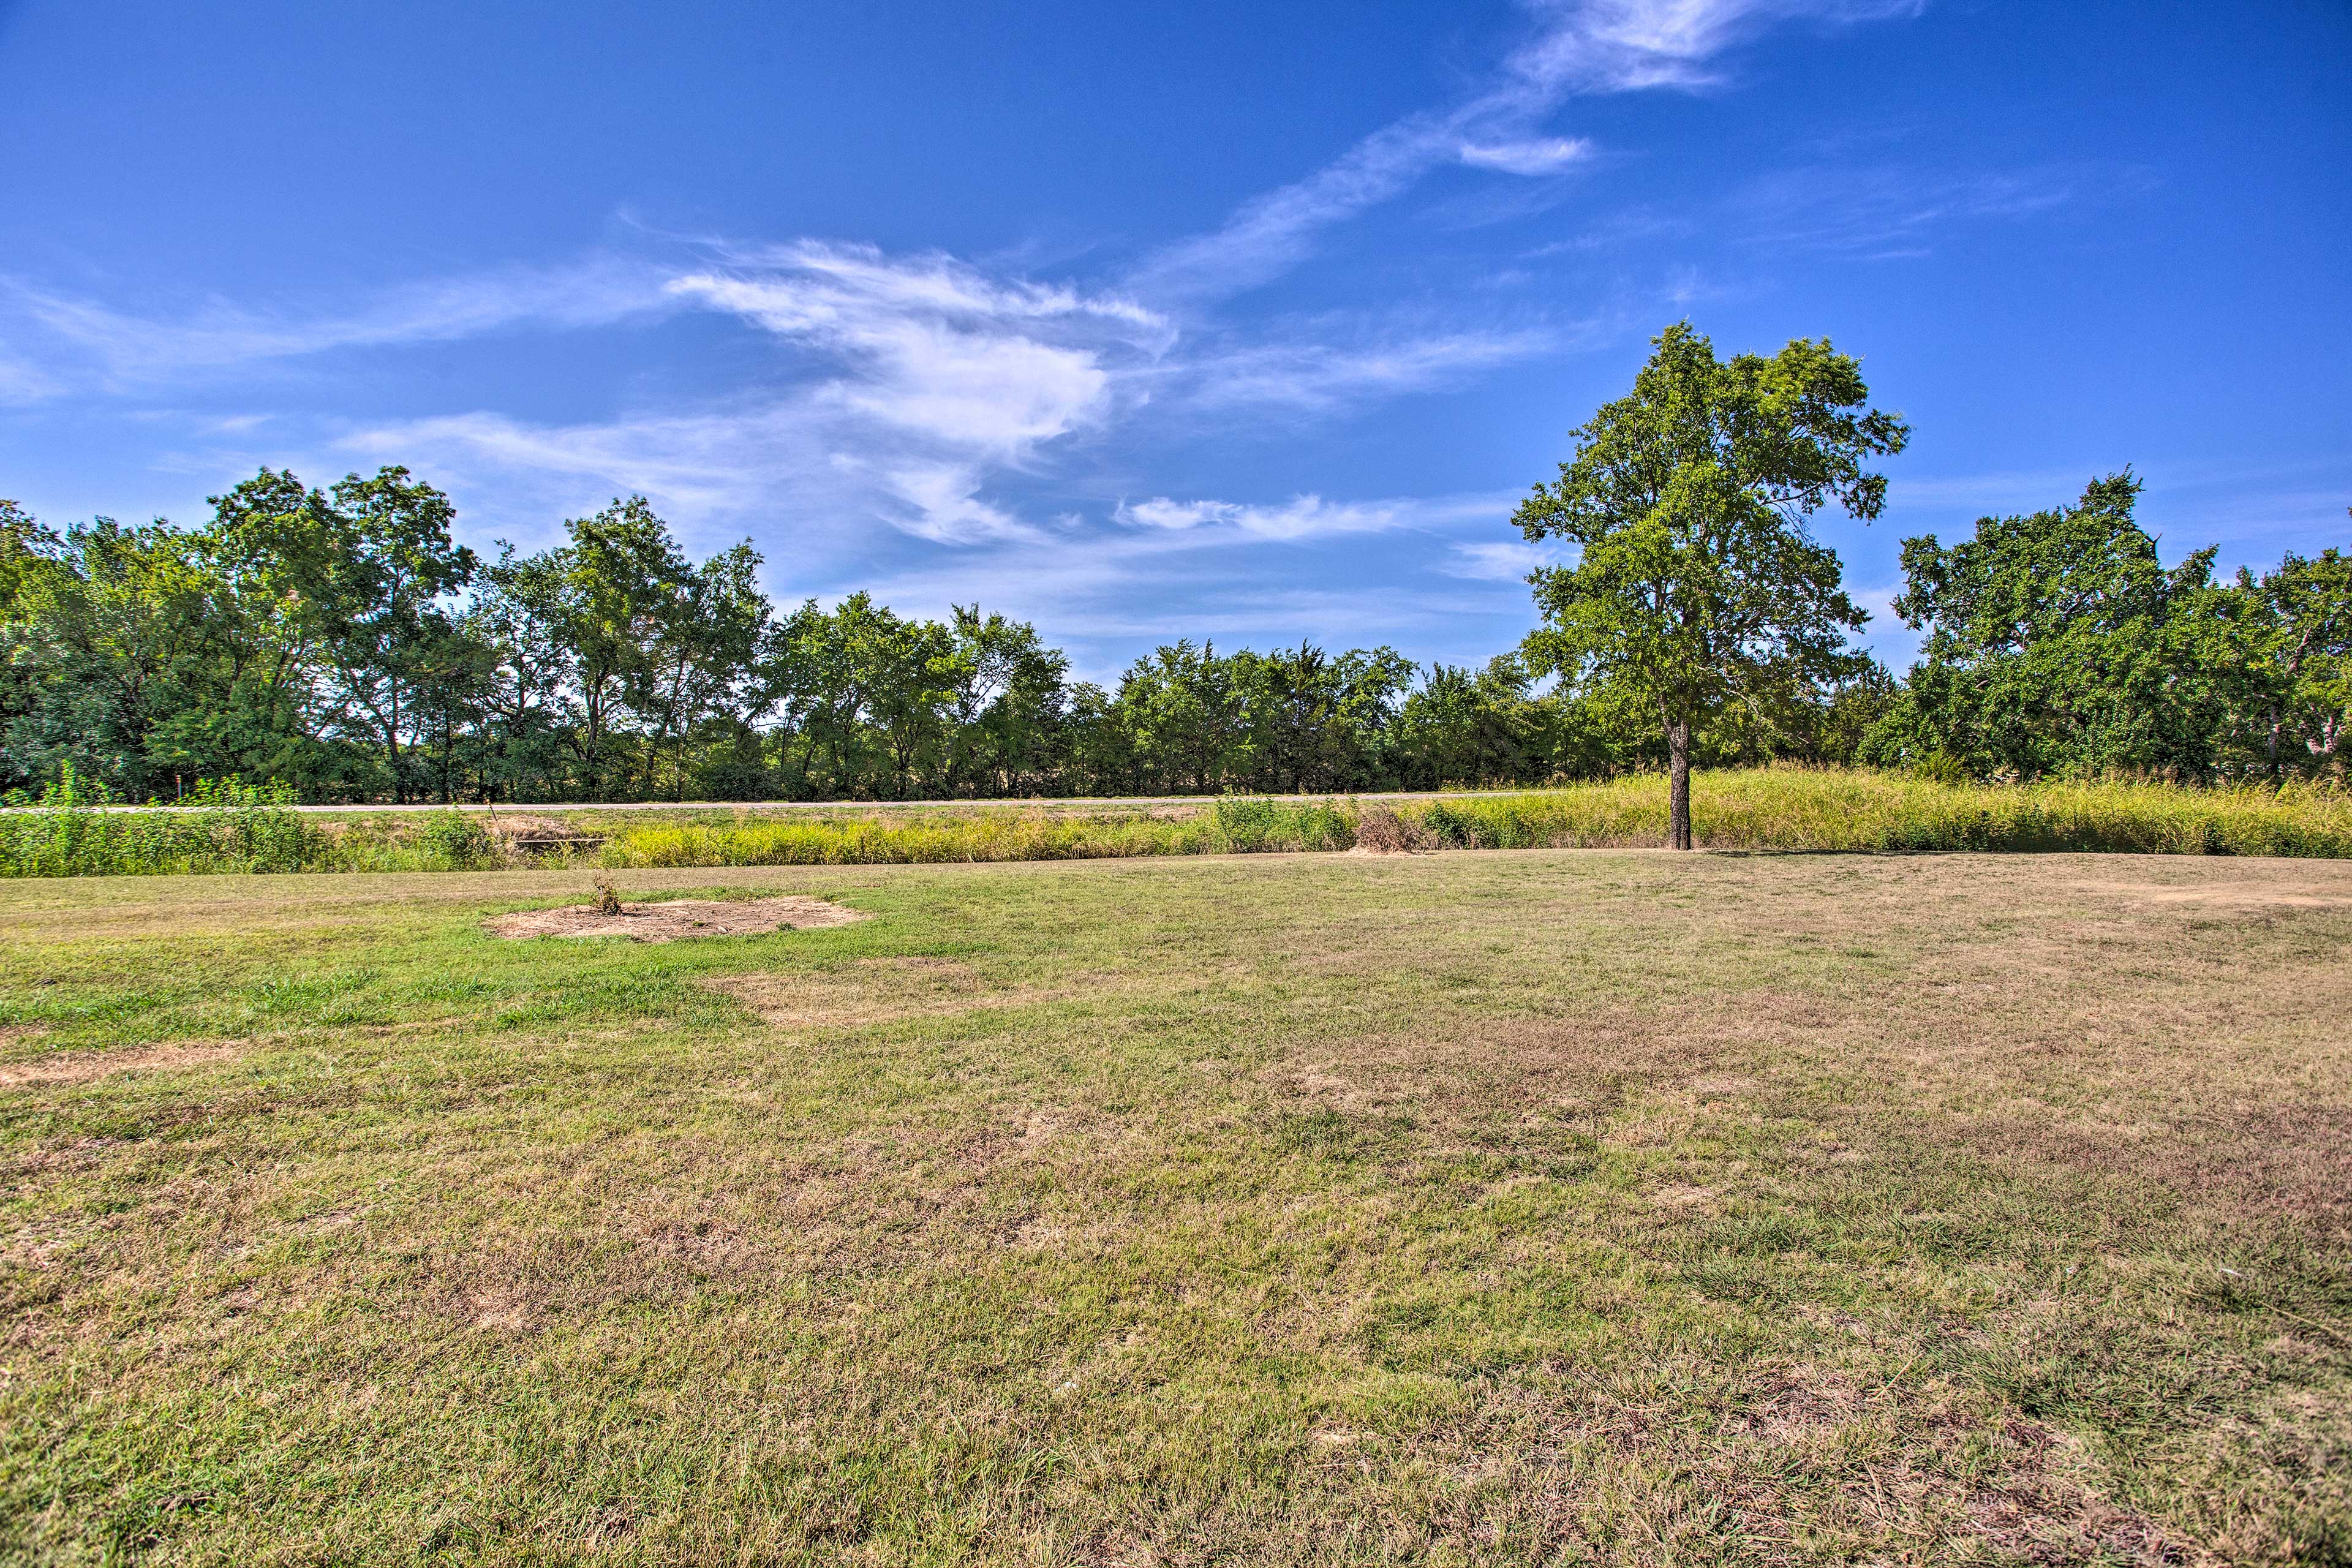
point(2056, 644)
point(338, 641)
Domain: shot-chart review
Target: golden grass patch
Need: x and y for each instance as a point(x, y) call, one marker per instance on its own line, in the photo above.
point(85, 1067)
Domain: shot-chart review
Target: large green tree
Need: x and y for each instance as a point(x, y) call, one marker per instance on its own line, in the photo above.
point(619, 578)
point(390, 634)
point(516, 615)
point(2059, 643)
point(1002, 688)
point(704, 648)
point(2300, 632)
point(1696, 583)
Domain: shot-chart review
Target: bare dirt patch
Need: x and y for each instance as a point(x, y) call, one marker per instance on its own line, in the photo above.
point(676, 918)
point(1682, 1196)
point(2268, 893)
point(82, 1067)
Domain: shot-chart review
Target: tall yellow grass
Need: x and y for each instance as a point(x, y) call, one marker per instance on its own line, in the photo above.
point(1772, 808)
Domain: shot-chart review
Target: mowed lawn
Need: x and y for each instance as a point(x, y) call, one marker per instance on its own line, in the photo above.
point(1538, 1207)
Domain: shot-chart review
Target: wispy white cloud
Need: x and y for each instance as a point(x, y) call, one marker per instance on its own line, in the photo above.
point(92, 343)
point(1888, 210)
point(928, 379)
point(1579, 46)
point(1304, 516)
point(1539, 156)
point(1315, 371)
point(1878, 604)
point(729, 463)
point(1497, 560)
point(21, 383)
point(947, 507)
point(1626, 45)
point(1221, 570)
point(942, 373)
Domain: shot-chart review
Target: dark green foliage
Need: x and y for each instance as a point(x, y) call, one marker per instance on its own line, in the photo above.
point(1248, 825)
point(339, 645)
point(225, 827)
point(461, 843)
point(2060, 645)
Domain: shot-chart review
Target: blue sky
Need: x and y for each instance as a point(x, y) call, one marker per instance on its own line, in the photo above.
point(1151, 319)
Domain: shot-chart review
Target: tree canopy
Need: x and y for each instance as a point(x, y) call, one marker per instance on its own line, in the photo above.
point(340, 642)
point(1697, 585)
point(2058, 643)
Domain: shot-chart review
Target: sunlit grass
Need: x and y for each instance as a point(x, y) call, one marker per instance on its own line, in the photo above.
point(1457, 1208)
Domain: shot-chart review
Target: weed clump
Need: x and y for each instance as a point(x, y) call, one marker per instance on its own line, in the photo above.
point(1383, 832)
point(459, 843)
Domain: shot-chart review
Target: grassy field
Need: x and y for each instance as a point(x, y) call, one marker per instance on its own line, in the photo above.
point(1526, 1209)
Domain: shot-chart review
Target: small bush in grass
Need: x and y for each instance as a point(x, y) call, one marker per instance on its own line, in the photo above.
point(458, 842)
point(1254, 826)
point(1454, 829)
point(1247, 825)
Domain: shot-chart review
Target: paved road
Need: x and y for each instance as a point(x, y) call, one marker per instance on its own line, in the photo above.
point(1080, 802)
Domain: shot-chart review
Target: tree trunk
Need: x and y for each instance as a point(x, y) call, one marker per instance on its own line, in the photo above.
point(1679, 826)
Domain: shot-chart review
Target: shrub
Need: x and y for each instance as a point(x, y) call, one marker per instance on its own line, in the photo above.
point(458, 842)
point(1248, 824)
point(73, 829)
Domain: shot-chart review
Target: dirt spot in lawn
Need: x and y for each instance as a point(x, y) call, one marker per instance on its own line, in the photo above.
point(1682, 1196)
point(2267, 894)
point(873, 991)
point(676, 918)
point(84, 1067)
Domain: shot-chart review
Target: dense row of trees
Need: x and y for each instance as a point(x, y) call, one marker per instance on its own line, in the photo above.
point(340, 642)
point(2058, 643)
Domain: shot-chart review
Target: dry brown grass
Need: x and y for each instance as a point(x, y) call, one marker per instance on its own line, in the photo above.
point(83, 1067)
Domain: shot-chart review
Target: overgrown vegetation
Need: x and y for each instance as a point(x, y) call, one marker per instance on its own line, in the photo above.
point(1762, 809)
point(66, 831)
